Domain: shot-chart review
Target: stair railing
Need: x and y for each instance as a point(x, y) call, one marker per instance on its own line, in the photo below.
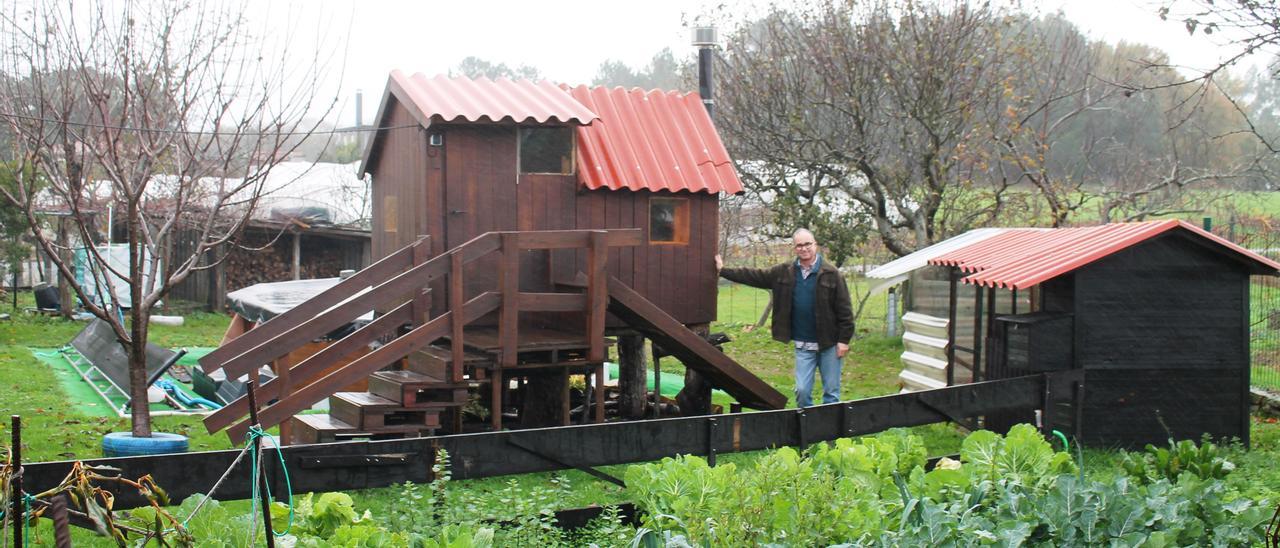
point(406, 273)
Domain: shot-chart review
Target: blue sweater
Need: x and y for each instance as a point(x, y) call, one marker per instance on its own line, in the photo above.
point(804, 321)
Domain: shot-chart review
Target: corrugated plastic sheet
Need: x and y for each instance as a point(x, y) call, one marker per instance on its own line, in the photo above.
point(652, 140)
point(1021, 258)
point(451, 99)
point(911, 262)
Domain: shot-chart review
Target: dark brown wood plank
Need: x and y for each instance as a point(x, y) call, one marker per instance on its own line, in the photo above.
point(385, 268)
point(597, 295)
point(563, 239)
point(553, 302)
point(305, 371)
point(693, 351)
point(365, 365)
point(456, 288)
point(509, 317)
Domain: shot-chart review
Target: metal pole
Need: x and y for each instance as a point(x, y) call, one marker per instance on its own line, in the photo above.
point(262, 474)
point(15, 472)
point(891, 317)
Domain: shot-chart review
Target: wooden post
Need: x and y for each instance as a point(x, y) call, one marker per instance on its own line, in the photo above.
point(297, 255)
point(952, 275)
point(599, 392)
point(597, 294)
point(509, 317)
point(657, 382)
point(977, 333)
point(262, 474)
point(631, 373)
point(421, 308)
point(16, 473)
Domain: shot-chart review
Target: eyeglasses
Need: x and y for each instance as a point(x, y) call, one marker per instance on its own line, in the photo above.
point(804, 245)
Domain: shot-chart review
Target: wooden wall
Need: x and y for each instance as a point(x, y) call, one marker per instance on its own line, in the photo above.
point(470, 185)
point(1162, 332)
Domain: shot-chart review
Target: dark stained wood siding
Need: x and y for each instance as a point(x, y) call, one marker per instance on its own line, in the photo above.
point(470, 185)
point(399, 172)
point(1161, 337)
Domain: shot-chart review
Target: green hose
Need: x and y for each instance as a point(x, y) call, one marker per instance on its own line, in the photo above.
point(1065, 446)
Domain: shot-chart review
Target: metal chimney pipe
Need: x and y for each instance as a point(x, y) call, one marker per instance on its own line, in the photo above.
point(360, 118)
point(704, 38)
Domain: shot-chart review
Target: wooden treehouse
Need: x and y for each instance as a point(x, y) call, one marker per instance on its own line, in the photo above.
point(516, 226)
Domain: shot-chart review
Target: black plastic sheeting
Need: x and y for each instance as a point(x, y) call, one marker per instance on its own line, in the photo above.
point(98, 344)
point(261, 302)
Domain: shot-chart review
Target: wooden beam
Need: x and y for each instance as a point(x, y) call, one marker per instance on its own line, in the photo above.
point(597, 295)
point(553, 302)
point(692, 350)
point(365, 365)
point(509, 318)
point(297, 256)
point(305, 371)
point(457, 297)
point(385, 268)
point(567, 239)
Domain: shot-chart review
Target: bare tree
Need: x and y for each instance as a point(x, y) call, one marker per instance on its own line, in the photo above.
point(877, 101)
point(171, 114)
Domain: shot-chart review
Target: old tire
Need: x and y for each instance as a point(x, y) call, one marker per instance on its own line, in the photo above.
point(123, 444)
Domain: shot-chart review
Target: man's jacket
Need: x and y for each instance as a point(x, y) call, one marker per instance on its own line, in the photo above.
point(831, 301)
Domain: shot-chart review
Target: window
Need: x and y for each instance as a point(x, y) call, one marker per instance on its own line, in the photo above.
point(546, 150)
point(669, 220)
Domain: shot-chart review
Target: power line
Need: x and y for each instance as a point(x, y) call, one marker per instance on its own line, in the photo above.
point(335, 131)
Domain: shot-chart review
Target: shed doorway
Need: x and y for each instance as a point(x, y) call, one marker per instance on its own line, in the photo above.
point(480, 192)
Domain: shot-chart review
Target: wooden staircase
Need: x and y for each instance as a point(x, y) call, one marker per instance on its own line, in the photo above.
point(427, 367)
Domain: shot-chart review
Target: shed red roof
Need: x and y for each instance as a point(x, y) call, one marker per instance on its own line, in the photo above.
point(460, 98)
point(1021, 258)
point(651, 140)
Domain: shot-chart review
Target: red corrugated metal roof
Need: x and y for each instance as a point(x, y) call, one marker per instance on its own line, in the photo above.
point(652, 140)
point(1019, 259)
point(449, 99)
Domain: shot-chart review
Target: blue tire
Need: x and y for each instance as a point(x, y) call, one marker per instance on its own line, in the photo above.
point(123, 444)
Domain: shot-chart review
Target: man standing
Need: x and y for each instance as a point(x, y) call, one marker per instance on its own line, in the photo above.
point(810, 307)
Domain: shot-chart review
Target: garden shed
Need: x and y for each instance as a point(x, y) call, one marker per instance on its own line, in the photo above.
point(1155, 313)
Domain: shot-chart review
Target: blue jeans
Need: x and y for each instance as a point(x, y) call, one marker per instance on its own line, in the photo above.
point(828, 364)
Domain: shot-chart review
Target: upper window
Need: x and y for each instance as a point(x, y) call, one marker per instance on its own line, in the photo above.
point(546, 150)
point(669, 220)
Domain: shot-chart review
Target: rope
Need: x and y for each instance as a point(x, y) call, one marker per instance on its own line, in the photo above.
point(217, 484)
point(255, 432)
point(28, 504)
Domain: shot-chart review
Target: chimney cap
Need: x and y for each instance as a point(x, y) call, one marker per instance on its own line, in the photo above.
point(705, 36)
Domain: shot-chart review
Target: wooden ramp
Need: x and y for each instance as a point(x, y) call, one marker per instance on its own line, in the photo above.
point(692, 350)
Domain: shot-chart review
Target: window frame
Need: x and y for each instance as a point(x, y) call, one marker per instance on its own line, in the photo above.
point(573, 151)
point(679, 223)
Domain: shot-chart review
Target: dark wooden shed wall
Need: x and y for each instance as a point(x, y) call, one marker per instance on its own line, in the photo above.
point(412, 195)
point(1161, 330)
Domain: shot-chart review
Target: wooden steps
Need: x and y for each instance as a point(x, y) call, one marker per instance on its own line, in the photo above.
point(411, 388)
point(398, 404)
point(323, 428)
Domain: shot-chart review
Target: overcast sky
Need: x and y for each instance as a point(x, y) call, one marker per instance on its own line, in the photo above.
point(568, 39)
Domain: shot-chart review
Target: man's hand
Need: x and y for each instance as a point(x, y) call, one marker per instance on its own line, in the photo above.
point(719, 263)
point(841, 350)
